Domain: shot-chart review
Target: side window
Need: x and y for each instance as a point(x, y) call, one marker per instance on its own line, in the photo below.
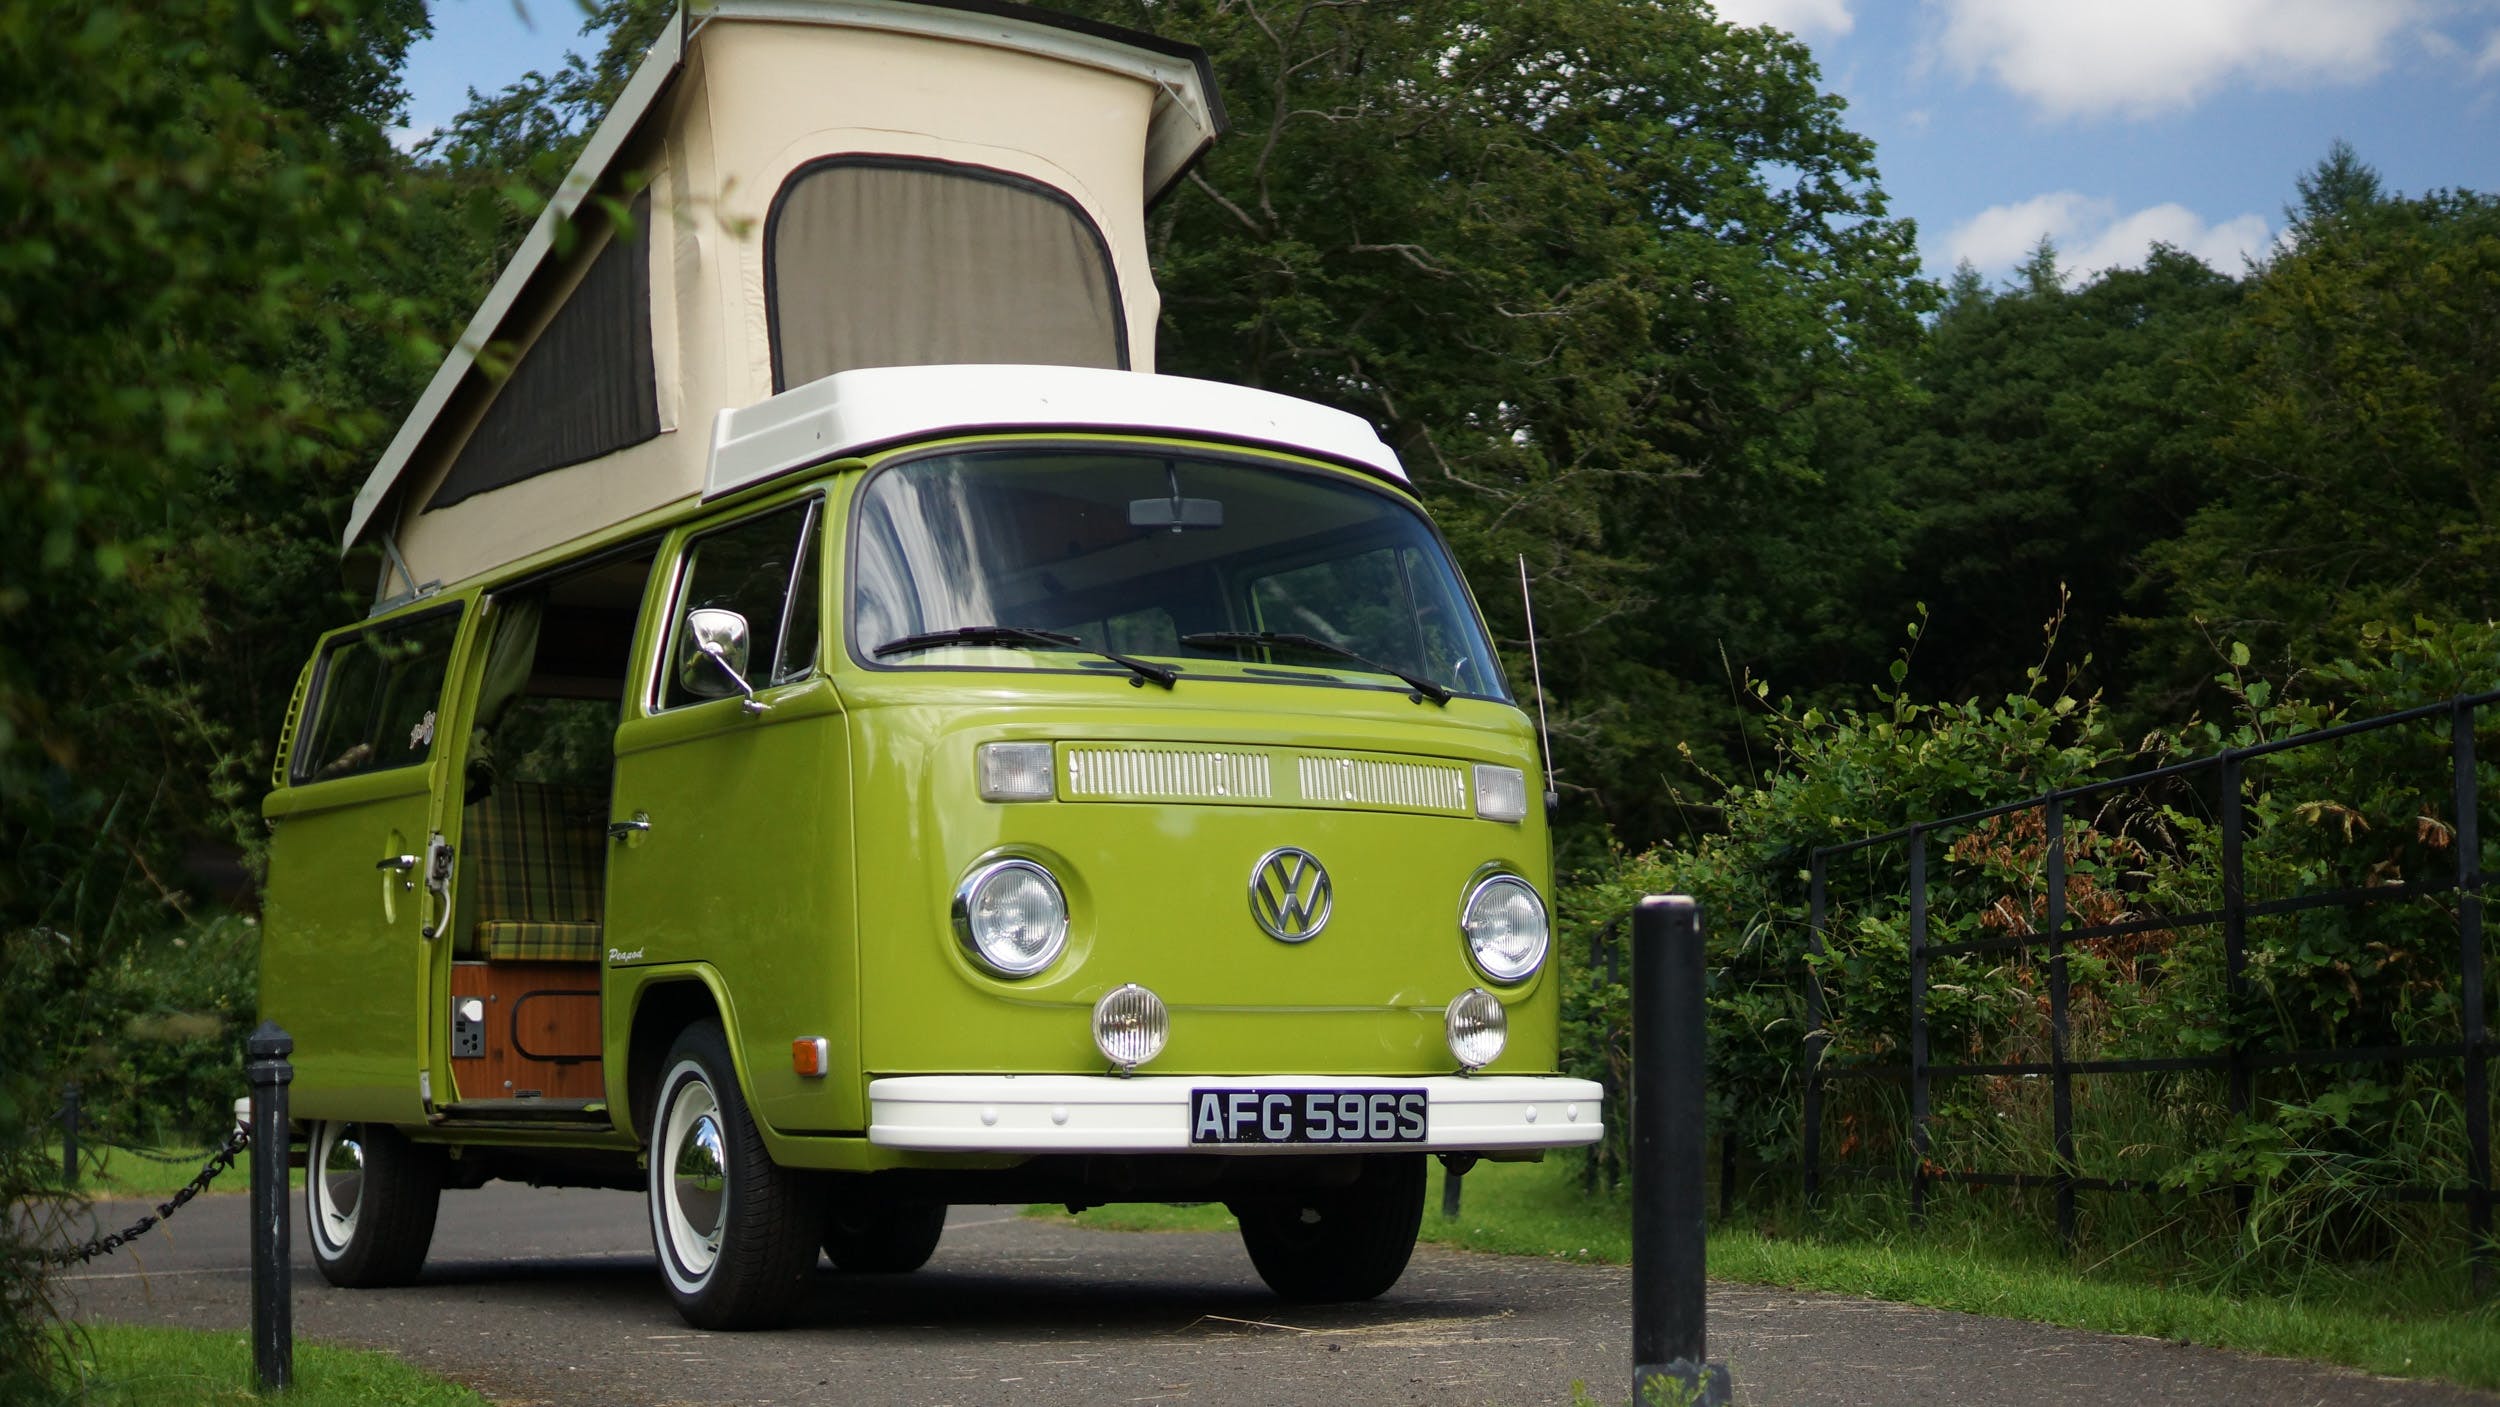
point(750, 568)
point(374, 699)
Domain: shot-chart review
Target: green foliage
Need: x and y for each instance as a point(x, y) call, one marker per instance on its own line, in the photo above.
point(2052, 437)
point(2320, 1147)
point(1842, 775)
point(2349, 440)
point(30, 1208)
point(199, 335)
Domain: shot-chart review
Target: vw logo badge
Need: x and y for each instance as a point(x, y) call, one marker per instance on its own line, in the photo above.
point(1290, 895)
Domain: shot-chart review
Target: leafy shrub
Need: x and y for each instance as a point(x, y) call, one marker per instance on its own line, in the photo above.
point(2320, 1149)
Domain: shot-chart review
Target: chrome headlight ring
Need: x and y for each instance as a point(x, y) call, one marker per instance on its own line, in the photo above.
point(1502, 920)
point(1011, 916)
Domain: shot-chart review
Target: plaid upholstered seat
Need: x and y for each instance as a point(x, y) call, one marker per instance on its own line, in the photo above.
point(544, 858)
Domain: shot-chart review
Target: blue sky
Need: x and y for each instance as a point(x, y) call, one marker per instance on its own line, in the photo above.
point(2103, 124)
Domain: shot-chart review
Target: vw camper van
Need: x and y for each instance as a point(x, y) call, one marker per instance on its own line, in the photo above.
point(839, 736)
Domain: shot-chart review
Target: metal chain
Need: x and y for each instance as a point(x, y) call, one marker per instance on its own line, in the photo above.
point(153, 1156)
point(217, 1163)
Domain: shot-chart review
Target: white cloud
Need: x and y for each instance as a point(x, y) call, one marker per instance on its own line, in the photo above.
point(2091, 234)
point(2141, 57)
point(1795, 16)
point(2490, 61)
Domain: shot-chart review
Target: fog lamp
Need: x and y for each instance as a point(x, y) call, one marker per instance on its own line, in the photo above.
point(1478, 1028)
point(1130, 1026)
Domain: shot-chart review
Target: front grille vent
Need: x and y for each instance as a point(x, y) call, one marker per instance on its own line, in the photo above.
point(1362, 781)
point(1167, 774)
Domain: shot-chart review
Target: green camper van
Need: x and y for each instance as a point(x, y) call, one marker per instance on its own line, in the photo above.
point(974, 768)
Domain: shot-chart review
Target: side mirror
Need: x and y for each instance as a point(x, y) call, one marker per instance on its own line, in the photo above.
point(716, 646)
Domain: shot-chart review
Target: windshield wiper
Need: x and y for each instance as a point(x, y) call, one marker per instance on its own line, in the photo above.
point(1229, 639)
point(1023, 635)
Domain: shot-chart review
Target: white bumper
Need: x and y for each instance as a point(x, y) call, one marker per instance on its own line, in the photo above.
point(1150, 1113)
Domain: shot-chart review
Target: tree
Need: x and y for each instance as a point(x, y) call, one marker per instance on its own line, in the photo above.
point(187, 267)
point(2352, 436)
point(2052, 438)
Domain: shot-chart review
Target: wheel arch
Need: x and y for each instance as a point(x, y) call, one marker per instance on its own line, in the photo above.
point(664, 1005)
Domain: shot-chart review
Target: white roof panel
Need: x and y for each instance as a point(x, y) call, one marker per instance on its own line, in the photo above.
point(852, 412)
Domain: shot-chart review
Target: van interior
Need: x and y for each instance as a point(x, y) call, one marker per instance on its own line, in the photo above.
point(529, 901)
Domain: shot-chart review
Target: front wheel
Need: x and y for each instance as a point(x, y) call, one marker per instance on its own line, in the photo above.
point(1328, 1245)
point(736, 1232)
point(370, 1197)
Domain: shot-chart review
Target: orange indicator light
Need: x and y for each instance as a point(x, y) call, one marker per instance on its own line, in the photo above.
point(807, 1055)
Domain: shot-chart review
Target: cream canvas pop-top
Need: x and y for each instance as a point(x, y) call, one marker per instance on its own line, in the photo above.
point(814, 186)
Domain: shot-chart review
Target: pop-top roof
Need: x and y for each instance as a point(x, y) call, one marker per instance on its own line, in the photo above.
point(1026, 142)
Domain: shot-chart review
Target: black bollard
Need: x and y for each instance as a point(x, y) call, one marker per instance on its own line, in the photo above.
point(69, 1135)
point(273, 1295)
point(1669, 1161)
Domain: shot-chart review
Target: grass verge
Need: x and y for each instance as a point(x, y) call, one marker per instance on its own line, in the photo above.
point(2377, 1322)
point(136, 1366)
point(112, 1172)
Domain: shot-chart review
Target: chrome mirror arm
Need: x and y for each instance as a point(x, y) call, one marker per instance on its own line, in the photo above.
point(712, 649)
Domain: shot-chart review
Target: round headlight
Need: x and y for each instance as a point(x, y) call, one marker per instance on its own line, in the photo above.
point(1477, 1026)
point(1505, 926)
point(1130, 1025)
point(1011, 917)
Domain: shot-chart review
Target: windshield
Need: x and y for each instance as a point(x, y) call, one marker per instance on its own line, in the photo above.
point(1131, 552)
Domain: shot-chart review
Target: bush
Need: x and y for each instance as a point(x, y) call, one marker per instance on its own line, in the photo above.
point(2320, 1148)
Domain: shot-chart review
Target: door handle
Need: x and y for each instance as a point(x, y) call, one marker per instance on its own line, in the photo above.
point(438, 860)
point(626, 830)
point(401, 863)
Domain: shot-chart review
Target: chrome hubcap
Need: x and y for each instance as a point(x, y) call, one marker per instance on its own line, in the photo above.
point(694, 1194)
point(699, 1173)
point(342, 1183)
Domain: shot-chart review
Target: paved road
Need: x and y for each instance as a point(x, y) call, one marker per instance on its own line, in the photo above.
point(548, 1297)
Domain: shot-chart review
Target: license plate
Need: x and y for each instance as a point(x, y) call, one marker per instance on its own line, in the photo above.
point(1368, 1117)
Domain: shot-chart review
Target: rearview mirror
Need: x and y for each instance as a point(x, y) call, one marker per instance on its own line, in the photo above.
point(1178, 514)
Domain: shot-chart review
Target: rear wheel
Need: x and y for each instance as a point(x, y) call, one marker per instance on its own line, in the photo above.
point(883, 1238)
point(736, 1232)
point(370, 1197)
point(1333, 1244)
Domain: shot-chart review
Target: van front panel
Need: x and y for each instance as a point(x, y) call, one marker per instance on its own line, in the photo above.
point(1160, 889)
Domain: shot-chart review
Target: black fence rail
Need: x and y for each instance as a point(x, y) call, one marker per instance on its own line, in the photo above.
point(2242, 1059)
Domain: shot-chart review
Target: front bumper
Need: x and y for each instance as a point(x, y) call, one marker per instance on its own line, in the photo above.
point(1150, 1114)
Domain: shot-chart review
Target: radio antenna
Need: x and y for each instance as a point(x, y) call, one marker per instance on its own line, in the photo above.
point(1545, 737)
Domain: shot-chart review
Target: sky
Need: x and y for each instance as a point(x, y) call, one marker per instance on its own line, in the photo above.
point(2104, 125)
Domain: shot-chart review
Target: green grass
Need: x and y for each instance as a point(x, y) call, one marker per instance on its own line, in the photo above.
point(2404, 1322)
point(118, 1364)
point(110, 1172)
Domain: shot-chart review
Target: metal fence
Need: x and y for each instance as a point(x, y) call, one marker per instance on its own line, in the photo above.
point(2243, 1059)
